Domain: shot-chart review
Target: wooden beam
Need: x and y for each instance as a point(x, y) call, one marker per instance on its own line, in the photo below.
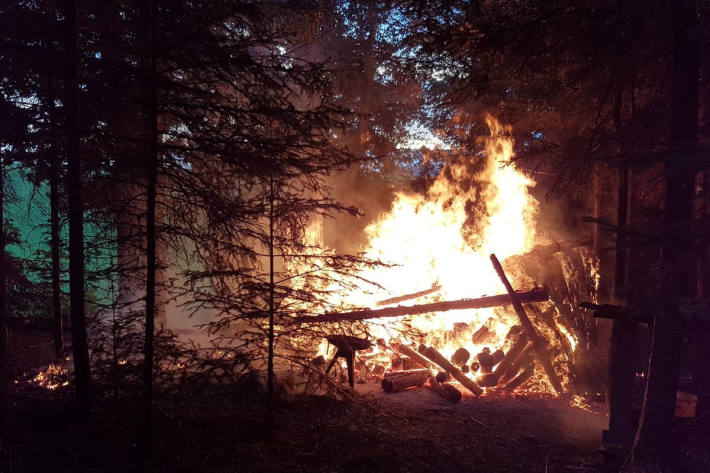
point(539, 294)
point(538, 344)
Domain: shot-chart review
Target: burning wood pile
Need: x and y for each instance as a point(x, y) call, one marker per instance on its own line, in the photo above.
point(414, 367)
point(448, 236)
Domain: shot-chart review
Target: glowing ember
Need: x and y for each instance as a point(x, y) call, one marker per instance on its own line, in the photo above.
point(53, 377)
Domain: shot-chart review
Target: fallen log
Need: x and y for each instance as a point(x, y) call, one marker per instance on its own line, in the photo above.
point(488, 380)
point(539, 294)
point(396, 374)
point(521, 378)
point(406, 351)
point(392, 384)
point(466, 382)
point(406, 297)
point(446, 391)
point(538, 345)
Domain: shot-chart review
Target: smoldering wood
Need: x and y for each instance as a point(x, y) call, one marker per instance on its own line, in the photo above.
point(442, 376)
point(399, 382)
point(481, 335)
point(521, 378)
point(539, 294)
point(466, 382)
point(539, 346)
point(515, 350)
point(550, 321)
point(460, 356)
point(459, 329)
point(485, 360)
point(408, 364)
point(446, 391)
point(396, 374)
point(488, 380)
point(406, 297)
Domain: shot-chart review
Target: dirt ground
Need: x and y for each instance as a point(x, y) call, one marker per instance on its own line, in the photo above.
point(203, 428)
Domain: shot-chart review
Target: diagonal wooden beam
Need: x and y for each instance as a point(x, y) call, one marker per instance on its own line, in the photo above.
point(539, 294)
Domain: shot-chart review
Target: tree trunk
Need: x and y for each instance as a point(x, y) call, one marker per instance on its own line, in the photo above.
point(150, 114)
point(270, 361)
point(76, 218)
point(701, 333)
point(652, 450)
point(55, 230)
point(4, 375)
point(623, 332)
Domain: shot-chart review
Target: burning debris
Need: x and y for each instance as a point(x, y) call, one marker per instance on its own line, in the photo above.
point(478, 343)
point(51, 377)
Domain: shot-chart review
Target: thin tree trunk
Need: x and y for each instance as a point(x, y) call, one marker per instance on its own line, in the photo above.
point(151, 112)
point(4, 375)
point(270, 361)
point(701, 333)
point(623, 333)
point(76, 217)
point(54, 231)
point(652, 450)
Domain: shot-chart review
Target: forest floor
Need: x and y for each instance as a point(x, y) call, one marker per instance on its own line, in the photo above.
point(207, 429)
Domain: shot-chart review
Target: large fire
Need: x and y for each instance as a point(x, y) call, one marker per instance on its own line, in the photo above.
point(442, 240)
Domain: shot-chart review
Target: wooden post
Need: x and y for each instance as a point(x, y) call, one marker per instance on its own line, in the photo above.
point(538, 345)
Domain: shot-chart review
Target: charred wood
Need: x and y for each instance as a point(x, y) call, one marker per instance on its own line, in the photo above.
point(466, 382)
point(446, 391)
point(538, 344)
point(512, 354)
point(399, 381)
point(521, 378)
point(522, 360)
point(442, 376)
point(460, 356)
point(397, 374)
point(481, 335)
point(486, 360)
